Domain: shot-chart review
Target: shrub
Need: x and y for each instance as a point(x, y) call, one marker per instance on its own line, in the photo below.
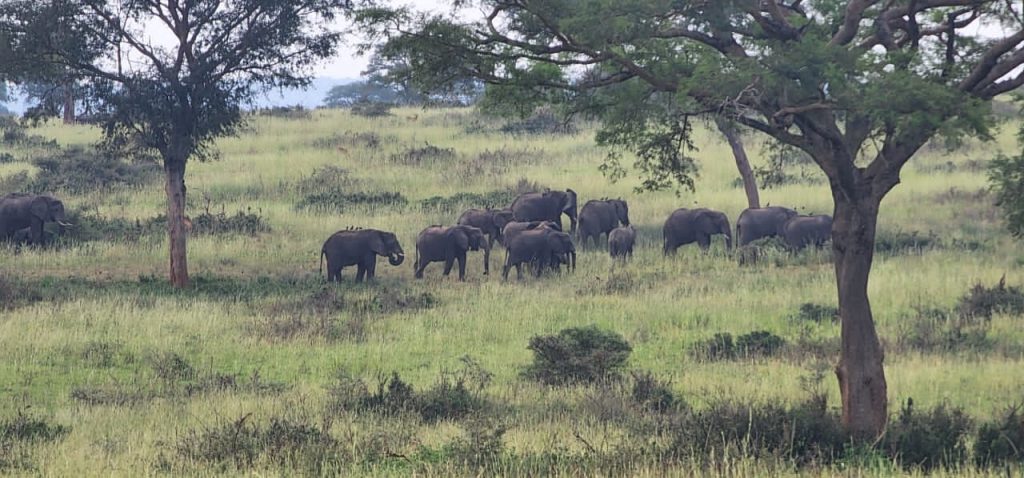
point(337, 201)
point(171, 367)
point(928, 440)
point(942, 330)
point(91, 226)
point(326, 179)
point(810, 312)
point(543, 121)
point(653, 394)
point(454, 396)
point(983, 301)
point(242, 222)
point(14, 295)
point(462, 201)
point(428, 153)
point(900, 242)
point(365, 139)
point(18, 436)
point(481, 443)
point(81, 170)
point(575, 355)
point(296, 112)
point(1001, 441)
point(721, 346)
point(369, 109)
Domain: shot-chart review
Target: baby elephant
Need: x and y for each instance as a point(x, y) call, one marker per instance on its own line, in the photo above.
point(802, 231)
point(360, 248)
point(620, 242)
point(448, 244)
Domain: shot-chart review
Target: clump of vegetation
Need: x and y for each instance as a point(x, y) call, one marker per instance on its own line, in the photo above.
point(721, 346)
point(818, 313)
point(348, 139)
point(79, 170)
point(242, 222)
point(983, 301)
point(1006, 175)
point(1002, 441)
point(296, 112)
point(936, 330)
point(426, 154)
point(338, 201)
point(481, 444)
point(455, 395)
point(20, 433)
point(370, 109)
point(14, 295)
point(489, 164)
point(14, 133)
point(653, 393)
point(283, 442)
point(326, 179)
point(577, 355)
point(901, 242)
point(543, 120)
point(461, 201)
point(91, 226)
point(928, 440)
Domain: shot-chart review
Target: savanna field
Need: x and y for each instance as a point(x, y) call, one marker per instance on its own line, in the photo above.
point(263, 368)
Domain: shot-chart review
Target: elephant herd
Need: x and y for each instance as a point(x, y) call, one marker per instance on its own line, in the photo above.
point(530, 230)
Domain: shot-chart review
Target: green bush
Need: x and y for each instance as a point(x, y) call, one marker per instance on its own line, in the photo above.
point(721, 346)
point(371, 109)
point(1006, 176)
point(928, 440)
point(1001, 441)
point(459, 202)
point(337, 201)
point(428, 153)
point(80, 170)
point(577, 355)
point(983, 301)
point(810, 312)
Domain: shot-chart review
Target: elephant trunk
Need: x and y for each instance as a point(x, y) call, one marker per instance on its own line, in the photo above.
point(396, 259)
point(728, 241)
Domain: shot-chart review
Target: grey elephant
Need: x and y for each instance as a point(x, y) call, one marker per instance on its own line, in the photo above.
point(541, 246)
point(447, 244)
point(600, 217)
point(802, 231)
point(546, 206)
point(621, 241)
point(32, 211)
point(513, 228)
point(359, 247)
point(491, 222)
point(757, 223)
point(686, 226)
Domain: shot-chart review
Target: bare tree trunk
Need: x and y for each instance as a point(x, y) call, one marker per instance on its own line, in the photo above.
point(732, 135)
point(69, 103)
point(175, 189)
point(860, 372)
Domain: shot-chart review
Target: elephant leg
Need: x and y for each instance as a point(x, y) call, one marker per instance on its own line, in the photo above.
point(420, 266)
point(448, 263)
point(371, 268)
point(360, 272)
point(462, 266)
point(519, 271)
point(704, 241)
point(37, 231)
point(487, 254)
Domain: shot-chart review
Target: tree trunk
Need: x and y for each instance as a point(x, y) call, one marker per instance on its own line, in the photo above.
point(732, 135)
point(860, 372)
point(69, 103)
point(175, 189)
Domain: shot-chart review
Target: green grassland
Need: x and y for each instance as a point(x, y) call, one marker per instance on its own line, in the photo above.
point(104, 315)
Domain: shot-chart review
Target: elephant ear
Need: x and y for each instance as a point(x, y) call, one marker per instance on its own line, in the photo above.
point(570, 201)
point(460, 237)
point(377, 244)
point(39, 207)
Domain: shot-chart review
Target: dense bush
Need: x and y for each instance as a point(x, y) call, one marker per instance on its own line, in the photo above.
point(370, 109)
point(337, 201)
point(242, 222)
point(721, 346)
point(542, 121)
point(326, 179)
point(811, 312)
point(80, 170)
point(575, 355)
point(935, 330)
point(286, 112)
point(19, 434)
point(901, 242)
point(461, 201)
point(1006, 175)
point(347, 139)
point(928, 440)
point(1001, 441)
point(983, 301)
point(419, 155)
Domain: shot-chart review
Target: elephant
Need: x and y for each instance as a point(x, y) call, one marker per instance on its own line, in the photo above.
point(359, 247)
point(448, 244)
point(541, 245)
point(600, 217)
point(513, 228)
point(20, 211)
point(546, 206)
point(756, 223)
point(491, 222)
point(685, 226)
point(802, 231)
point(621, 241)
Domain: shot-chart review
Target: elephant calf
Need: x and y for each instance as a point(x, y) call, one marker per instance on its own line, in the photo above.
point(621, 241)
point(360, 248)
point(802, 231)
point(447, 244)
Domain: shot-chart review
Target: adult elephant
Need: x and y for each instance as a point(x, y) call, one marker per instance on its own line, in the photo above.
point(802, 231)
point(447, 244)
point(540, 245)
point(359, 247)
point(757, 223)
point(32, 211)
point(600, 217)
point(490, 222)
point(546, 206)
point(513, 228)
point(686, 226)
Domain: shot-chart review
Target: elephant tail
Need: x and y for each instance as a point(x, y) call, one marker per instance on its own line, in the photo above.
point(322, 254)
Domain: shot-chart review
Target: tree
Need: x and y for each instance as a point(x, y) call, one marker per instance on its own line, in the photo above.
point(1006, 174)
point(179, 95)
point(368, 91)
point(858, 85)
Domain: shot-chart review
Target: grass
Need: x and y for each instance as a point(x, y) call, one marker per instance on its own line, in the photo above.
point(101, 311)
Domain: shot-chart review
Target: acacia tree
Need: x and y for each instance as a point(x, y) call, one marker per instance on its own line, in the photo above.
point(858, 85)
point(172, 73)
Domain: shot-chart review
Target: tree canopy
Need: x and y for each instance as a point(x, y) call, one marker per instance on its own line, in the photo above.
point(858, 85)
point(175, 96)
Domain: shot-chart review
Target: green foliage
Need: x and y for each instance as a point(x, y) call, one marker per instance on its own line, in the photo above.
point(367, 93)
point(370, 110)
point(811, 312)
point(81, 170)
point(19, 433)
point(982, 302)
point(756, 344)
point(297, 112)
point(1001, 441)
point(337, 201)
point(928, 440)
point(1006, 175)
point(577, 355)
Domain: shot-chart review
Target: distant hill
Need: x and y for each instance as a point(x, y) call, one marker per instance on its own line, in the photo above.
point(311, 97)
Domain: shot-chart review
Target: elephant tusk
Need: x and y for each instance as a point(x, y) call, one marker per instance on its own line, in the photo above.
point(65, 224)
